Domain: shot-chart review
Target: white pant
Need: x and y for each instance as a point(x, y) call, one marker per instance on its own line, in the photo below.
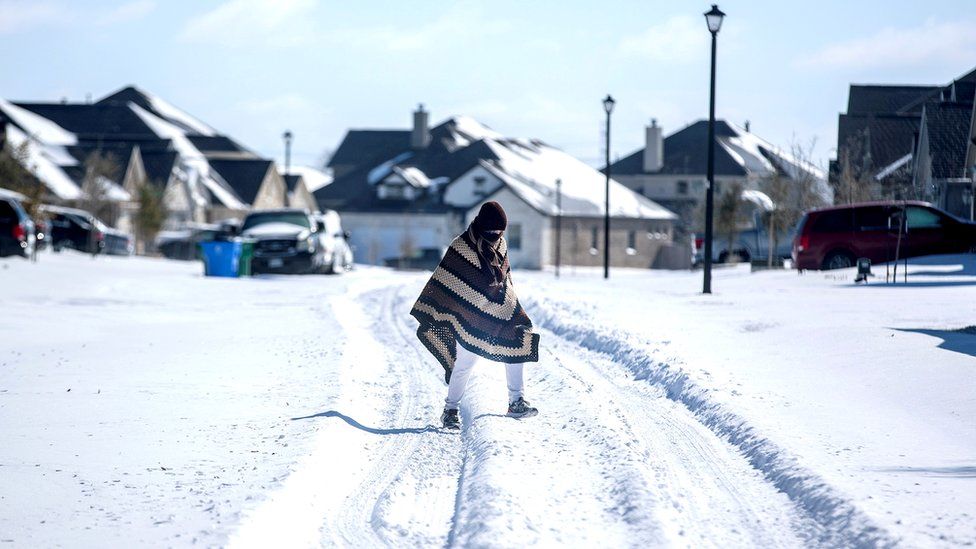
point(462, 370)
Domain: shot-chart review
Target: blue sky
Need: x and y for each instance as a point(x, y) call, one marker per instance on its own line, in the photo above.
point(253, 68)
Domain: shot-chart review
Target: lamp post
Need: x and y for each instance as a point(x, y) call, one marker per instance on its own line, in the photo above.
point(608, 103)
point(559, 221)
point(287, 137)
point(714, 19)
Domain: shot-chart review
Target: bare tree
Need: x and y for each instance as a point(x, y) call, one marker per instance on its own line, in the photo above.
point(100, 169)
point(15, 174)
point(151, 214)
point(854, 181)
point(729, 215)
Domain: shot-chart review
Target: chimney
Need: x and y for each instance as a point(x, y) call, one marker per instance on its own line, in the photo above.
point(420, 136)
point(654, 148)
point(748, 129)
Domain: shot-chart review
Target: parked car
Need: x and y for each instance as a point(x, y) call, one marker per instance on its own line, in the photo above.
point(17, 232)
point(287, 241)
point(71, 228)
point(750, 244)
point(424, 259)
point(116, 241)
point(334, 242)
point(185, 244)
point(835, 237)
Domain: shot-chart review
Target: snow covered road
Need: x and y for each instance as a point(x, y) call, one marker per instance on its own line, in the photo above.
point(303, 411)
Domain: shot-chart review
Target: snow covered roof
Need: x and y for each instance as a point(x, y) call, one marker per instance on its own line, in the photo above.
point(171, 143)
point(42, 162)
point(160, 108)
point(531, 170)
point(460, 144)
point(314, 179)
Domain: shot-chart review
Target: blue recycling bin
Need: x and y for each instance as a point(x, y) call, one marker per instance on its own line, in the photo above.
point(221, 257)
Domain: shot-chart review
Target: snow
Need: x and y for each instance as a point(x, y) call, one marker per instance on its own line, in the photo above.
point(160, 407)
point(38, 127)
point(379, 173)
point(40, 161)
point(759, 198)
point(314, 179)
point(278, 228)
point(472, 130)
point(752, 152)
point(413, 176)
point(893, 167)
point(532, 169)
point(196, 163)
point(177, 116)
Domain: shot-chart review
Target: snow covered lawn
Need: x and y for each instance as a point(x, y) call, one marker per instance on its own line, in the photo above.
point(141, 403)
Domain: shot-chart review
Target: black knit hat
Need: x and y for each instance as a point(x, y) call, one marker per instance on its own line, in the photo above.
point(491, 217)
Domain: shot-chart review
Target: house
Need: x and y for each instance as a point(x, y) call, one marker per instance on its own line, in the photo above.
point(205, 175)
point(400, 191)
point(910, 142)
point(301, 182)
point(672, 170)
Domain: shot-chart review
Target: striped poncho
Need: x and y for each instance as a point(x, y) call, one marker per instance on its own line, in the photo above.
point(462, 305)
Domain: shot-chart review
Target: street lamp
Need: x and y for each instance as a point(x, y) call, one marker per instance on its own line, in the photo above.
point(608, 103)
point(287, 137)
point(714, 19)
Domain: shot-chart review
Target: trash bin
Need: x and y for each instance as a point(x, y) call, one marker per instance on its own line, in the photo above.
point(221, 257)
point(247, 252)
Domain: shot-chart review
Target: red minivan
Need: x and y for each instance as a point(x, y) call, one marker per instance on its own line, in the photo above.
point(835, 237)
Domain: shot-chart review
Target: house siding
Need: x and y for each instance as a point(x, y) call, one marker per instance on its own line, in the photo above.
point(378, 236)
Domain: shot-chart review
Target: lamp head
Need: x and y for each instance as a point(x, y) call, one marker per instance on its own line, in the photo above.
point(714, 19)
point(608, 104)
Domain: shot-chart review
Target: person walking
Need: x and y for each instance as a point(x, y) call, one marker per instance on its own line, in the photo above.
point(468, 311)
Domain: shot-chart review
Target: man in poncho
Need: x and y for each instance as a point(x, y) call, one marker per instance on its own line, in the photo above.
point(468, 311)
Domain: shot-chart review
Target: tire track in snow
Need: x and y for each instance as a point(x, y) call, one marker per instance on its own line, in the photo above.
point(408, 496)
point(360, 487)
point(840, 522)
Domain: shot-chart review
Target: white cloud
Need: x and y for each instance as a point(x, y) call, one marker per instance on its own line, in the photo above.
point(237, 23)
point(22, 15)
point(131, 11)
point(943, 43)
point(680, 38)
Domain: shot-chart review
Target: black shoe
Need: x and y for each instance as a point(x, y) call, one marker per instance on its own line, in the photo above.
point(450, 419)
point(521, 408)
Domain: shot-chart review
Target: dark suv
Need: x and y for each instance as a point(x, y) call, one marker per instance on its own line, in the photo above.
point(74, 229)
point(286, 241)
point(834, 238)
point(16, 228)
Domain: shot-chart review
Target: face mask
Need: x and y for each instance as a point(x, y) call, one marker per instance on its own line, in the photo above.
point(492, 236)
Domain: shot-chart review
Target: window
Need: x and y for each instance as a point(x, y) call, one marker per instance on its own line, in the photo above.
point(872, 218)
point(836, 221)
point(514, 236)
point(631, 243)
point(682, 187)
point(479, 186)
point(922, 218)
point(594, 237)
